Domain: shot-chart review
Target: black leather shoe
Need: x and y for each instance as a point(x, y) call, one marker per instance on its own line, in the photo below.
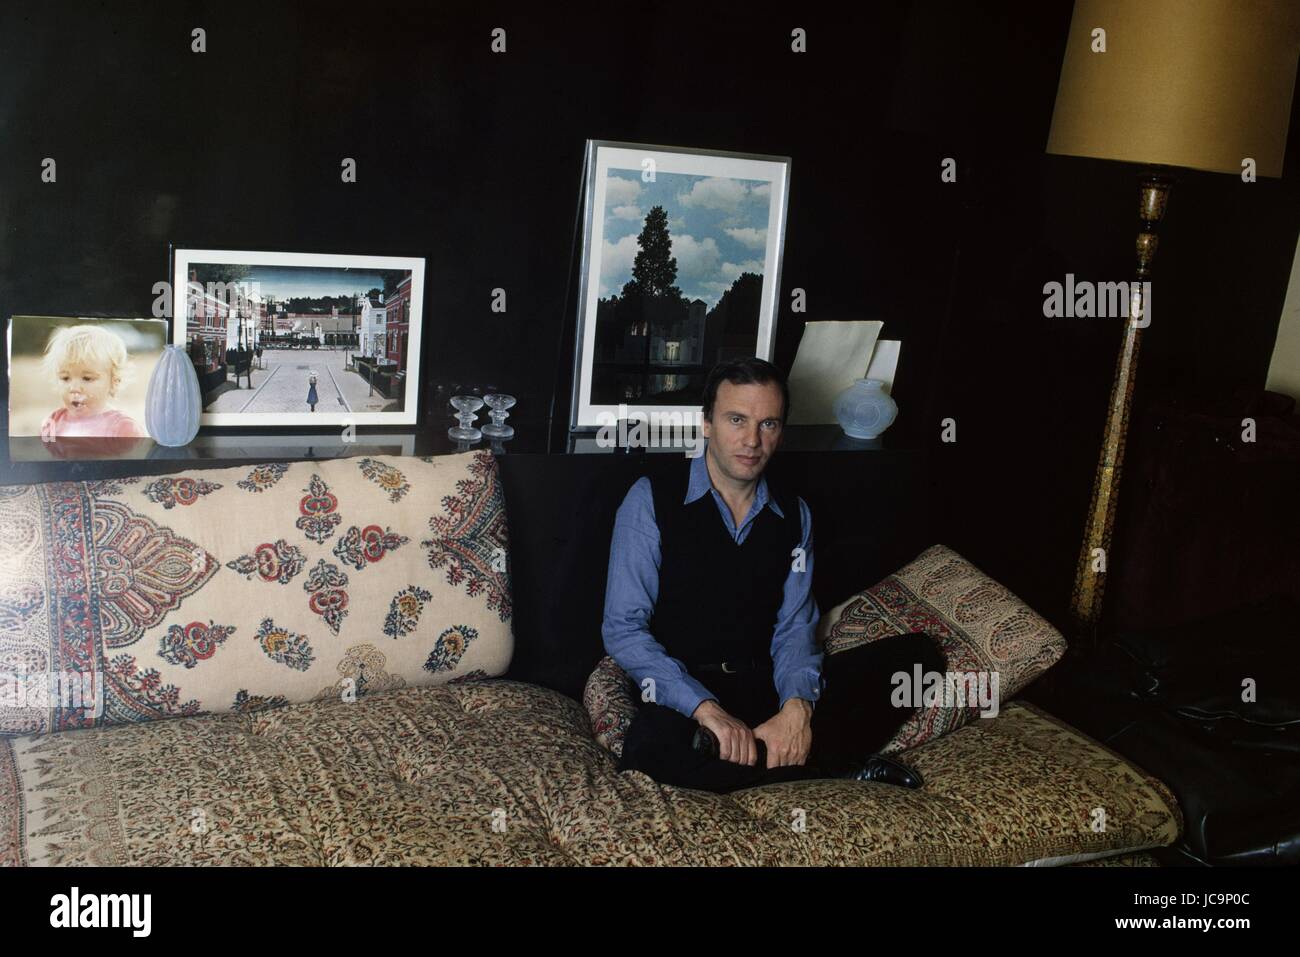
point(888, 771)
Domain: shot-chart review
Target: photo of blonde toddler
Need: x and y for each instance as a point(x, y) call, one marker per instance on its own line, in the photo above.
point(87, 366)
point(80, 378)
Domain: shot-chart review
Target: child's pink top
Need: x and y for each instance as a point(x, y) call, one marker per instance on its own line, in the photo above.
point(110, 422)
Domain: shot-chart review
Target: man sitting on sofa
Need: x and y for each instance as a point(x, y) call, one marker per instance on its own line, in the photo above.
point(709, 609)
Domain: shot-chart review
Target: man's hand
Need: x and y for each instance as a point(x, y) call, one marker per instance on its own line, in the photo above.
point(735, 740)
point(787, 734)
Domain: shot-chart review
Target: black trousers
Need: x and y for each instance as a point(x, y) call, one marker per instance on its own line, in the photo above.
point(853, 718)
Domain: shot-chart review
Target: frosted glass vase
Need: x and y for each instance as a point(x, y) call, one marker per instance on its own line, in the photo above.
point(173, 402)
point(864, 409)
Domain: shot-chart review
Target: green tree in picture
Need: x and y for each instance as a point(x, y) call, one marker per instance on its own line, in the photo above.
point(220, 272)
point(655, 269)
point(391, 278)
point(740, 305)
point(217, 277)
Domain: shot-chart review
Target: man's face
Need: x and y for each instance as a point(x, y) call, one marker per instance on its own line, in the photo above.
point(84, 388)
point(745, 428)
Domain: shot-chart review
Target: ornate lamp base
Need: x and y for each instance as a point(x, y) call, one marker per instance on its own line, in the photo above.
point(1094, 555)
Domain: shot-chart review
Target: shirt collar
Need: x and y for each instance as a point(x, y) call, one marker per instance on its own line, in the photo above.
point(700, 483)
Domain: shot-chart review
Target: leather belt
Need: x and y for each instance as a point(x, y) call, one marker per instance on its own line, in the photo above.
point(735, 666)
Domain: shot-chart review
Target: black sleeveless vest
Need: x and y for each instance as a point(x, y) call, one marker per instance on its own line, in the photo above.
point(718, 601)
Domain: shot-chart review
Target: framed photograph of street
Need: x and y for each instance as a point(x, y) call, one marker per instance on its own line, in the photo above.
point(300, 339)
point(681, 268)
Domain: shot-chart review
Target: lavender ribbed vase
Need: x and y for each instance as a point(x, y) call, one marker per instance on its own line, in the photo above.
point(173, 401)
point(864, 409)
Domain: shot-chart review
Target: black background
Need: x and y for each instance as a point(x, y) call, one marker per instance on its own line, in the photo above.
point(473, 160)
point(1098, 895)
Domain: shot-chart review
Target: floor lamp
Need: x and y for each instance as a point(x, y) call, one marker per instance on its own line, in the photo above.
point(1168, 85)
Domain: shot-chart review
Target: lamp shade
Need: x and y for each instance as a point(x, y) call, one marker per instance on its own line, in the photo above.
point(1202, 84)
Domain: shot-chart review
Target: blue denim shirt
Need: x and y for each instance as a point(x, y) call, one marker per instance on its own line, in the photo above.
point(632, 589)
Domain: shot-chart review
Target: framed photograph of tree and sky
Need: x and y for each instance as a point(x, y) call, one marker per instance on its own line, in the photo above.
point(681, 267)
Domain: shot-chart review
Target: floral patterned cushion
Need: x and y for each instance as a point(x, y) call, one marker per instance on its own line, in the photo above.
point(610, 700)
point(130, 599)
point(500, 772)
point(981, 626)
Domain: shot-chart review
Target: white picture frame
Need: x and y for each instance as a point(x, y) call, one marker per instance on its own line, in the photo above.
point(258, 315)
point(730, 210)
point(39, 406)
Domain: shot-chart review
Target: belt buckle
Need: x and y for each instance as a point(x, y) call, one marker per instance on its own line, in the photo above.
point(726, 670)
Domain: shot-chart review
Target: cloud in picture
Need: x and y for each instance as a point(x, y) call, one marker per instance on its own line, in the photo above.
point(717, 227)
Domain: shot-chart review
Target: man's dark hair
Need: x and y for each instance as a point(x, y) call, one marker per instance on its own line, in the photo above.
point(744, 372)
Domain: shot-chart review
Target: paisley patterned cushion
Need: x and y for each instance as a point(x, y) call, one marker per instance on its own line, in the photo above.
point(982, 627)
point(130, 599)
point(498, 772)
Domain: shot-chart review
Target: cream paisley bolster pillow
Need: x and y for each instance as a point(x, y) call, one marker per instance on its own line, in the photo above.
point(235, 589)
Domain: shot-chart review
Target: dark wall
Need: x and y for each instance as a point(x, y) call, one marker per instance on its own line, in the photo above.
point(473, 160)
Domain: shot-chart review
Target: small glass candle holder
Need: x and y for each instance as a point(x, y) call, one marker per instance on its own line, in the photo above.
point(466, 406)
point(497, 428)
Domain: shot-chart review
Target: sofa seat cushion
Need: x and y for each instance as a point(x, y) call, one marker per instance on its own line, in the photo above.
point(500, 772)
point(1140, 859)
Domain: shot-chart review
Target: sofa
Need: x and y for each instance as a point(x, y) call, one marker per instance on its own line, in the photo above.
point(307, 664)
